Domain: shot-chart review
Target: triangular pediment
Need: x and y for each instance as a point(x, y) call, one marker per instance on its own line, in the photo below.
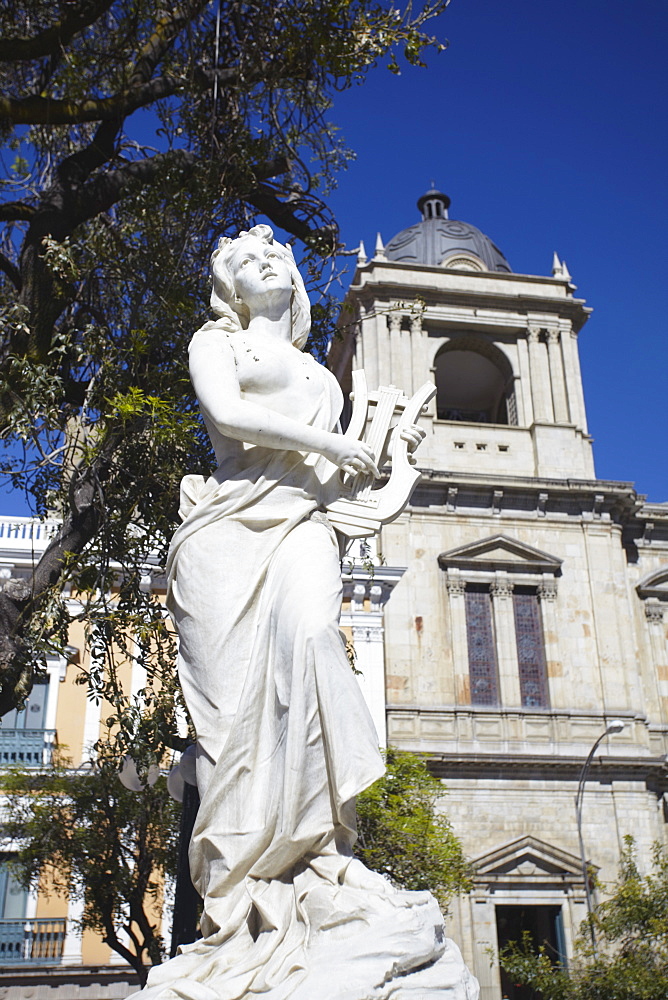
point(527, 858)
point(500, 552)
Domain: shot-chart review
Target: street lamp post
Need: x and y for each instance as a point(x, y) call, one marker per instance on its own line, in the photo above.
point(615, 726)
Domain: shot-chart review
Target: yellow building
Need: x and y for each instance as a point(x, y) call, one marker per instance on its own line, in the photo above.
point(41, 944)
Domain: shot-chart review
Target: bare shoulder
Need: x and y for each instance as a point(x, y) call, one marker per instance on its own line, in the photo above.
point(213, 339)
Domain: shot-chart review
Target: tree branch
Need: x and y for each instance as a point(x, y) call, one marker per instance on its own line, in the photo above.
point(99, 194)
point(283, 214)
point(56, 37)
point(16, 211)
point(81, 524)
point(141, 89)
point(12, 272)
point(46, 111)
point(166, 31)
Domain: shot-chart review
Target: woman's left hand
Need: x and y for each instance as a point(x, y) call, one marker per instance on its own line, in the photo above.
point(412, 435)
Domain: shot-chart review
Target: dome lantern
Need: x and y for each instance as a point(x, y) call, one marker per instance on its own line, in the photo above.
point(433, 205)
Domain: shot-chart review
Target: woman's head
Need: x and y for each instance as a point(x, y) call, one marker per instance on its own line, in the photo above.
point(225, 300)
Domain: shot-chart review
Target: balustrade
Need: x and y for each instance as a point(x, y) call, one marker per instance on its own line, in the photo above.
point(37, 940)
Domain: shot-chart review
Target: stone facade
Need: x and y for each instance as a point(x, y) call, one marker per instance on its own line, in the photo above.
point(529, 609)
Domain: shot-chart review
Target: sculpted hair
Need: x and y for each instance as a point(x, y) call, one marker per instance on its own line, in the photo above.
point(224, 300)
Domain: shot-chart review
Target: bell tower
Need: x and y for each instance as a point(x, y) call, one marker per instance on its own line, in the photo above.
point(439, 301)
point(529, 612)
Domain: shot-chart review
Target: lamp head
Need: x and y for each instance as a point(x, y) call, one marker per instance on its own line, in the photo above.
point(614, 726)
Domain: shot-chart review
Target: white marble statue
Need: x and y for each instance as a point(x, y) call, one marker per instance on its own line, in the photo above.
point(285, 741)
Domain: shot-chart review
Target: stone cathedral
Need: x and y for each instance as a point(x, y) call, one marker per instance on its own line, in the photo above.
point(519, 605)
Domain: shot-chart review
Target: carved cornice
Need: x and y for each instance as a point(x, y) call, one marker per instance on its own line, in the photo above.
point(597, 501)
point(374, 585)
point(651, 770)
point(367, 633)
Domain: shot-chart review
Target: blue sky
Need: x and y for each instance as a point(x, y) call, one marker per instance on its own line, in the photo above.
point(547, 126)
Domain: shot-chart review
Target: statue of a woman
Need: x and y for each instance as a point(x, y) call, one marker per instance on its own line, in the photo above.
point(284, 739)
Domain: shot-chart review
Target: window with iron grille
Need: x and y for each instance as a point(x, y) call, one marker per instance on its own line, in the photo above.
point(483, 673)
point(530, 649)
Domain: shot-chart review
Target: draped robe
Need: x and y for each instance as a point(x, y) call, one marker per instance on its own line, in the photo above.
point(285, 743)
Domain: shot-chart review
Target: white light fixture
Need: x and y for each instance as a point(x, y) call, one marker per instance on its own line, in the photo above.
point(129, 776)
point(615, 726)
point(187, 764)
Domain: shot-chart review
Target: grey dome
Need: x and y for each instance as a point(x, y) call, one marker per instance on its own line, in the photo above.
point(436, 238)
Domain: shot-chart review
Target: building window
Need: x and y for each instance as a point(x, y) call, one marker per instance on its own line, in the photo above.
point(483, 673)
point(530, 649)
point(23, 738)
point(13, 897)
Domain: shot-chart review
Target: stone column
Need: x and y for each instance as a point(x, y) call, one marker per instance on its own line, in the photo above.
point(368, 641)
point(73, 933)
point(385, 340)
point(358, 350)
point(540, 383)
point(411, 378)
point(485, 966)
point(654, 611)
point(460, 653)
point(395, 337)
point(557, 683)
point(56, 667)
point(569, 351)
point(370, 661)
point(367, 350)
point(523, 386)
point(506, 644)
point(557, 377)
point(91, 731)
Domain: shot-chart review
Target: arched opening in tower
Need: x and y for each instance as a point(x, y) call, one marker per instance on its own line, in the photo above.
point(471, 387)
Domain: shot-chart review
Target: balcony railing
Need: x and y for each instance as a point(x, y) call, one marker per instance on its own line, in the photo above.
point(23, 941)
point(26, 747)
point(26, 533)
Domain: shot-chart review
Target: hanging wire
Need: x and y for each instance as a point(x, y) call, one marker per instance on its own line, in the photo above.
point(215, 72)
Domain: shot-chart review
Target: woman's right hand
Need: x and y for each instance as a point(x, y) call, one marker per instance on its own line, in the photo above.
point(351, 456)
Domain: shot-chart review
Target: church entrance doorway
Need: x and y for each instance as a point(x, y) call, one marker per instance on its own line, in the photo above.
point(544, 925)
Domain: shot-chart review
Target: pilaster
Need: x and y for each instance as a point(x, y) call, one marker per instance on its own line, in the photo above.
point(367, 586)
point(384, 339)
point(525, 414)
point(540, 381)
point(654, 618)
point(569, 351)
point(557, 686)
point(506, 644)
point(73, 933)
point(91, 728)
point(558, 385)
point(460, 659)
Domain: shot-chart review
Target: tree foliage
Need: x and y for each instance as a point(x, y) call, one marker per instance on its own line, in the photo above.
point(132, 135)
point(90, 838)
point(631, 928)
point(401, 835)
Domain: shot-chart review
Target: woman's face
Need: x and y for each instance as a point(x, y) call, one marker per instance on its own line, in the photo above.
point(260, 274)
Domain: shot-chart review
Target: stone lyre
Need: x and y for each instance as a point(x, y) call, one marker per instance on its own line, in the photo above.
point(362, 510)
